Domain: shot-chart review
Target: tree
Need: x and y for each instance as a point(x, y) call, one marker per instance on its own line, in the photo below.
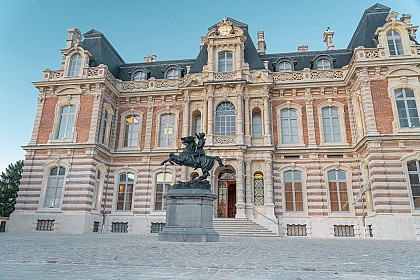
point(9, 186)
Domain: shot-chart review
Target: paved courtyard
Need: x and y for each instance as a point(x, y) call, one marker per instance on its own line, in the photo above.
point(122, 256)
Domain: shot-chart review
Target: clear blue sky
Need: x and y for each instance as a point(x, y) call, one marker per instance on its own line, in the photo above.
point(32, 33)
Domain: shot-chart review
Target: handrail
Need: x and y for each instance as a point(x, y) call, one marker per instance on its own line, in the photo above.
point(277, 223)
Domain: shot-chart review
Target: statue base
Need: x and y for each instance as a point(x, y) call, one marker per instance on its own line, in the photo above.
point(189, 216)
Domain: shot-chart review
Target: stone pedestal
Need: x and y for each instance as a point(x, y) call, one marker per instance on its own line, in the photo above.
point(189, 216)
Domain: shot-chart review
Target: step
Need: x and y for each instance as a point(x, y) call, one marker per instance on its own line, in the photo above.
point(240, 227)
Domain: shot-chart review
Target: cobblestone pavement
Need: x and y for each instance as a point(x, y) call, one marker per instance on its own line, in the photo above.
point(122, 256)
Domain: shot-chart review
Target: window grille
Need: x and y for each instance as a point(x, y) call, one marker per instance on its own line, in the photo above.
point(157, 227)
point(258, 189)
point(344, 231)
point(370, 231)
point(96, 226)
point(119, 227)
point(45, 225)
point(296, 230)
point(291, 157)
point(334, 156)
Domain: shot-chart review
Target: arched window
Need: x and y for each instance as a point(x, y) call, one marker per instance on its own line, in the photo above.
point(163, 185)
point(75, 63)
point(197, 124)
point(125, 191)
point(331, 124)
point(338, 191)
point(414, 174)
point(65, 129)
point(225, 62)
point(173, 73)
point(394, 43)
point(256, 124)
point(97, 192)
point(284, 66)
point(54, 187)
point(407, 108)
point(167, 130)
point(323, 64)
point(258, 188)
point(131, 131)
point(293, 190)
point(225, 119)
point(140, 76)
point(289, 126)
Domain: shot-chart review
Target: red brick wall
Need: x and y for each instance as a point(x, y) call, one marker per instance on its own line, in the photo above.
point(47, 120)
point(382, 106)
point(84, 118)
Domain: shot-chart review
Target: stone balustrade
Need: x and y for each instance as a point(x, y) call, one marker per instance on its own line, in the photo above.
point(224, 76)
point(224, 140)
point(308, 75)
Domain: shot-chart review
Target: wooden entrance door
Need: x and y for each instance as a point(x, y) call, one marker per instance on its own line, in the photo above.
point(231, 201)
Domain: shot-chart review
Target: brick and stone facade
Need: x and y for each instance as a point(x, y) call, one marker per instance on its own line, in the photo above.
point(119, 128)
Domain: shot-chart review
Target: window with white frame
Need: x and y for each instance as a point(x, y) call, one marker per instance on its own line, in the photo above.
point(173, 73)
point(225, 119)
point(225, 62)
point(258, 188)
point(65, 127)
point(407, 108)
point(75, 64)
point(394, 43)
point(256, 124)
point(97, 191)
point(54, 187)
point(163, 185)
point(337, 183)
point(331, 124)
point(284, 66)
point(289, 126)
point(131, 131)
point(125, 191)
point(323, 64)
point(197, 124)
point(414, 174)
point(293, 191)
point(140, 76)
point(167, 130)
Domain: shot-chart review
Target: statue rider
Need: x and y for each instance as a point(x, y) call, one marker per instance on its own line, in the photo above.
point(199, 152)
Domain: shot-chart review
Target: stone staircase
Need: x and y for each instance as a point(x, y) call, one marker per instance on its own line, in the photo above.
point(240, 227)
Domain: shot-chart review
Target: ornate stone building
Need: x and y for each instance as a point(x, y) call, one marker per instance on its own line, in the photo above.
point(317, 143)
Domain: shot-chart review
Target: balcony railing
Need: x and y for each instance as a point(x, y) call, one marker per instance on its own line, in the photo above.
point(308, 75)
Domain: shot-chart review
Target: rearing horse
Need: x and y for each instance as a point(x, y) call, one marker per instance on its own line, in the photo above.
point(187, 158)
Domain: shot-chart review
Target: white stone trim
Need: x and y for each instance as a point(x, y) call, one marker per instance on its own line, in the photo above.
point(298, 108)
point(343, 130)
point(62, 102)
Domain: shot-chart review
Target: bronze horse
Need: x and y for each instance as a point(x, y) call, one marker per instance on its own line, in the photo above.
point(189, 158)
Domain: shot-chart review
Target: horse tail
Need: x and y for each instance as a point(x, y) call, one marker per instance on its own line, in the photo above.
point(219, 160)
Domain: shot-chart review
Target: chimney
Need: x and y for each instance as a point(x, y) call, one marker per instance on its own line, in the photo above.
point(150, 58)
point(412, 29)
point(74, 35)
point(328, 39)
point(303, 48)
point(262, 47)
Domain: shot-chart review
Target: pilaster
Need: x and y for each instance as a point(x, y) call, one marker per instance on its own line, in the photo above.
point(149, 123)
point(240, 205)
point(39, 110)
point(248, 190)
point(268, 178)
point(240, 115)
point(368, 111)
point(210, 113)
point(310, 119)
point(247, 121)
point(267, 135)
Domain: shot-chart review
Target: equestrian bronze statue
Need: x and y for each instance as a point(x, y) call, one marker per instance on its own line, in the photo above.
point(193, 155)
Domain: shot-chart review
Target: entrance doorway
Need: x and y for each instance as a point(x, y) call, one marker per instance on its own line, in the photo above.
point(226, 203)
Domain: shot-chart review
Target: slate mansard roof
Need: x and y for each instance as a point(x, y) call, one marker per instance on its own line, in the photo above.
point(103, 52)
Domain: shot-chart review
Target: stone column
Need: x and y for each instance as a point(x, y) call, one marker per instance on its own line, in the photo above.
point(310, 118)
point(240, 205)
point(210, 112)
point(247, 121)
point(149, 122)
point(185, 129)
point(267, 135)
point(268, 185)
point(204, 114)
point(368, 112)
point(248, 190)
point(240, 116)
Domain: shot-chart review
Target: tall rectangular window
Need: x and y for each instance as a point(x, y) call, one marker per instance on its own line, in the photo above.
point(331, 124)
point(131, 131)
point(54, 187)
point(105, 121)
point(125, 191)
point(197, 124)
point(407, 108)
point(97, 191)
point(289, 126)
point(394, 43)
point(167, 130)
point(414, 174)
point(293, 190)
point(339, 200)
point(163, 185)
point(256, 125)
point(65, 129)
point(225, 62)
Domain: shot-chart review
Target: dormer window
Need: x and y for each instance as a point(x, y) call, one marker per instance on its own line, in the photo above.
point(140, 76)
point(394, 43)
point(225, 62)
point(75, 63)
point(323, 64)
point(173, 73)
